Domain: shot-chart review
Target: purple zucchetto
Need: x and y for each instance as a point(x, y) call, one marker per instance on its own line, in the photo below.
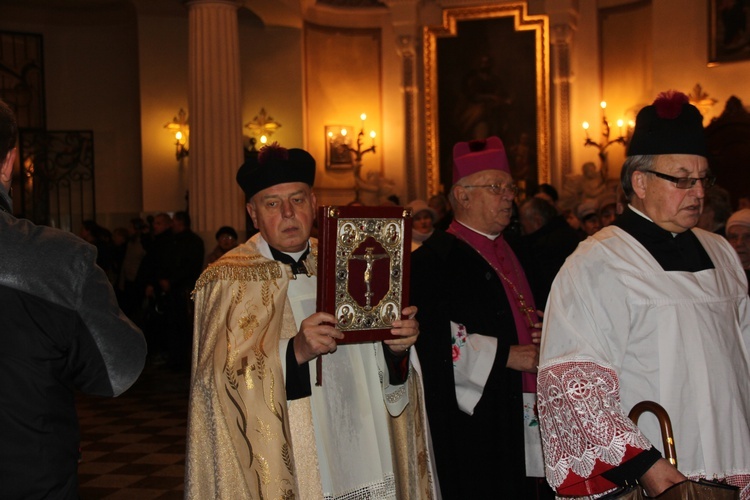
point(475, 156)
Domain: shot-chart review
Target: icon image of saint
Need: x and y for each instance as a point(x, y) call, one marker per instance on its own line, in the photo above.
point(389, 313)
point(392, 233)
point(345, 315)
point(347, 234)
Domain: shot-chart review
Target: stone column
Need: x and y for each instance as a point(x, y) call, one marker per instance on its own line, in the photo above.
point(214, 116)
point(414, 180)
point(561, 35)
point(563, 21)
point(405, 19)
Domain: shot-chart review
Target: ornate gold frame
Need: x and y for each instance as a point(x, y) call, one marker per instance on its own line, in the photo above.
point(353, 233)
point(523, 22)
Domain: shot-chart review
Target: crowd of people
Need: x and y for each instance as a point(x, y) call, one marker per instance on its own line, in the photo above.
point(482, 271)
point(529, 335)
point(153, 265)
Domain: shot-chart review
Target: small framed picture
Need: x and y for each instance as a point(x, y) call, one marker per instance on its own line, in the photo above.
point(728, 31)
point(338, 147)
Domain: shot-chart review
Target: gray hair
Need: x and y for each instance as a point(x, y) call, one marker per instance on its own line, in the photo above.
point(636, 163)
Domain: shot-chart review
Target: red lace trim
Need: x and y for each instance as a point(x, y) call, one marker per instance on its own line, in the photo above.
point(584, 429)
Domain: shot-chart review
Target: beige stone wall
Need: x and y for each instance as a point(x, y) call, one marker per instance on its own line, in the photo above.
point(122, 72)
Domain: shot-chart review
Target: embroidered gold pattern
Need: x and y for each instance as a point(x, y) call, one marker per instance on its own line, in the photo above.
point(287, 456)
point(241, 290)
point(286, 491)
point(260, 361)
point(265, 293)
point(231, 358)
point(396, 395)
point(246, 372)
point(422, 462)
point(239, 269)
point(248, 323)
point(264, 473)
point(271, 402)
point(264, 429)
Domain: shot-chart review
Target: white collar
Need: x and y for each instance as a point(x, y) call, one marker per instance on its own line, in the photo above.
point(492, 237)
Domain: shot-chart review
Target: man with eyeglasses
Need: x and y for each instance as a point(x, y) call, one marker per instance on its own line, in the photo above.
point(650, 308)
point(480, 329)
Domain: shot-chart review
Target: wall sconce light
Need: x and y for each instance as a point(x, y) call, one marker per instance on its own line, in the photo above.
point(342, 155)
point(606, 142)
point(179, 128)
point(701, 100)
point(261, 128)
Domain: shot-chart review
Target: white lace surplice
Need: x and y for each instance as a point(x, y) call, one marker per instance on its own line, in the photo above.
point(619, 330)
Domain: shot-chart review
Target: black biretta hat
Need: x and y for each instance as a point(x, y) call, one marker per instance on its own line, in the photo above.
point(274, 165)
point(671, 125)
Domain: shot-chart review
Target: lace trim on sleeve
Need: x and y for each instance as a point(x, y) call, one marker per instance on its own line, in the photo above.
point(582, 420)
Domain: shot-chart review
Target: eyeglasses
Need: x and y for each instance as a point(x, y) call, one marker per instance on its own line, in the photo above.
point(686, 182)
point(497, 189)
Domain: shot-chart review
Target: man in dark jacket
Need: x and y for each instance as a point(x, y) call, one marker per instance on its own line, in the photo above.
point(61, 331)
point(546, 242)
point(187, 266)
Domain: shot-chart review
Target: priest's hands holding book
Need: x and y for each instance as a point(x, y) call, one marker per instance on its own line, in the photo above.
point(317, 335)
point(407, 331)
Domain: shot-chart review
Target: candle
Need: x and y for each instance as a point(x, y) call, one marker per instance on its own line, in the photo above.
point(620, 123)
point(363, 117)
point(372, 136)
point(586, 128)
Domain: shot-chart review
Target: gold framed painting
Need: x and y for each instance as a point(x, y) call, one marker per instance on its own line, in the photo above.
point(728, 32)
point(338, 147)
point(486, 73)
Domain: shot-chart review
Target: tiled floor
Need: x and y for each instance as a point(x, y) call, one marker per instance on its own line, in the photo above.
point(133, 446)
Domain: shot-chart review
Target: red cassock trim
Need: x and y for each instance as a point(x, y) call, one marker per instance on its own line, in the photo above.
point(575, 485)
